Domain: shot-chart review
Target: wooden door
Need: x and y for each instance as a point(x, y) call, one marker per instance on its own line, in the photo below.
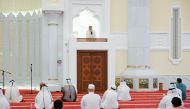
point(92, 68)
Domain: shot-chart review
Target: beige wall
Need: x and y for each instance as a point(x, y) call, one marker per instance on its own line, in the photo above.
point(159, 61)
point(19, 5)
point(118, 15)
point(160, 15)
point(121, 61)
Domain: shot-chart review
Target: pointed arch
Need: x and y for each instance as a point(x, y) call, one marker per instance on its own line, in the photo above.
point(83, 20)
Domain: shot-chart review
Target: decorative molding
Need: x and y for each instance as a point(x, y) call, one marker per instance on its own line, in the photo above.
point(159, 41)
point(167, 79)
point(21, 55)
point(186, 41)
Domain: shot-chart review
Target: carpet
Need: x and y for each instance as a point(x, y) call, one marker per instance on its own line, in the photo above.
point(140, 100)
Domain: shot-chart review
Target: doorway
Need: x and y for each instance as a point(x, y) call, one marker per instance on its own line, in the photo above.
point(91, 68)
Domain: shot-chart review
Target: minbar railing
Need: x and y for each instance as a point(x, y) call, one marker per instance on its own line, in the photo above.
point(92, 40)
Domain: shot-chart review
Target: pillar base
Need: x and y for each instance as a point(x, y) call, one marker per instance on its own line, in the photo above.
point(53, 85)
point(141, 79)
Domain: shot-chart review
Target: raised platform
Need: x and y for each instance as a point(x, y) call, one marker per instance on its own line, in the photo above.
point(54, 87)
point(141, 79)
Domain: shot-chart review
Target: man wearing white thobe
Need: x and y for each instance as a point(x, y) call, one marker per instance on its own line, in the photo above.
point(90, 33)
point(4, 104)
point(44, 99)
point(12, 93)
point(110, 99)
point(91, 100)
point(123, 92)
point(165, 103)
point(179, 92)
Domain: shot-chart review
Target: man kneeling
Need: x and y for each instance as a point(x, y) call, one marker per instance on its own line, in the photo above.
point(12, 93)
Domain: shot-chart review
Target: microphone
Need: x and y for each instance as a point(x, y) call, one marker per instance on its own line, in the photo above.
point(68, 79)
point(6, 71)
point(31, 67)
point(31, 77)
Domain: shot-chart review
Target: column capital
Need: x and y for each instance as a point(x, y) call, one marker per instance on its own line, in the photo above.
point(53, 5)
point(52, 16)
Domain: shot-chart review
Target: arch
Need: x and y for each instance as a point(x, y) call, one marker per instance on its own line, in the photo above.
point(83, 20)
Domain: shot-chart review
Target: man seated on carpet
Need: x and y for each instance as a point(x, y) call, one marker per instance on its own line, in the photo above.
point(123, 92)
point(165, 103)
point(58, 104)
point(110, 98)
point(91, 100)
point(177, 103)
point(12, 93)
point(182, 87)
point(44, 99)
point(4, 104)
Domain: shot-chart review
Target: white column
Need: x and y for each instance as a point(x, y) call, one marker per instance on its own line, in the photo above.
point(52, 29)
point(37, 46)
point(5, 45)
point(15, 49)
point(139, 45)
point(31, 44)
point(24, 48)
point(138, 33)
point(52, 12)
point(52, 22)
point(44, 53)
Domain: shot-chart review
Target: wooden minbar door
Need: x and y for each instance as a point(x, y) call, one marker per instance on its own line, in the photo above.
point(91, 68)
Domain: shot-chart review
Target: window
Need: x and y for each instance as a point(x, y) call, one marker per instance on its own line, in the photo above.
point(81, 23)
point(175, 46)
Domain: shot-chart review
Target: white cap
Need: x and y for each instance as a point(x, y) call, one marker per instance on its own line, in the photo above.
point(91, 86)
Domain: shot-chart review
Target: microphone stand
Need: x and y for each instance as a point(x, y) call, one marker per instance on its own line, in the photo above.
point(3, 81)
point(3, 74)
point(31, 78)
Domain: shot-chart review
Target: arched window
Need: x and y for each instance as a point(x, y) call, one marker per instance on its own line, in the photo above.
point(175, 40)
point(81, 23)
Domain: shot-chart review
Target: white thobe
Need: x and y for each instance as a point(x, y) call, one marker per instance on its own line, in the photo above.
point(4, 104)
point(179, 92)
point(91, 101)
point(90, 34)
point(44, 99)
point(13, 95)
point(110, 99)
point(123, 92)
point(166, 103)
